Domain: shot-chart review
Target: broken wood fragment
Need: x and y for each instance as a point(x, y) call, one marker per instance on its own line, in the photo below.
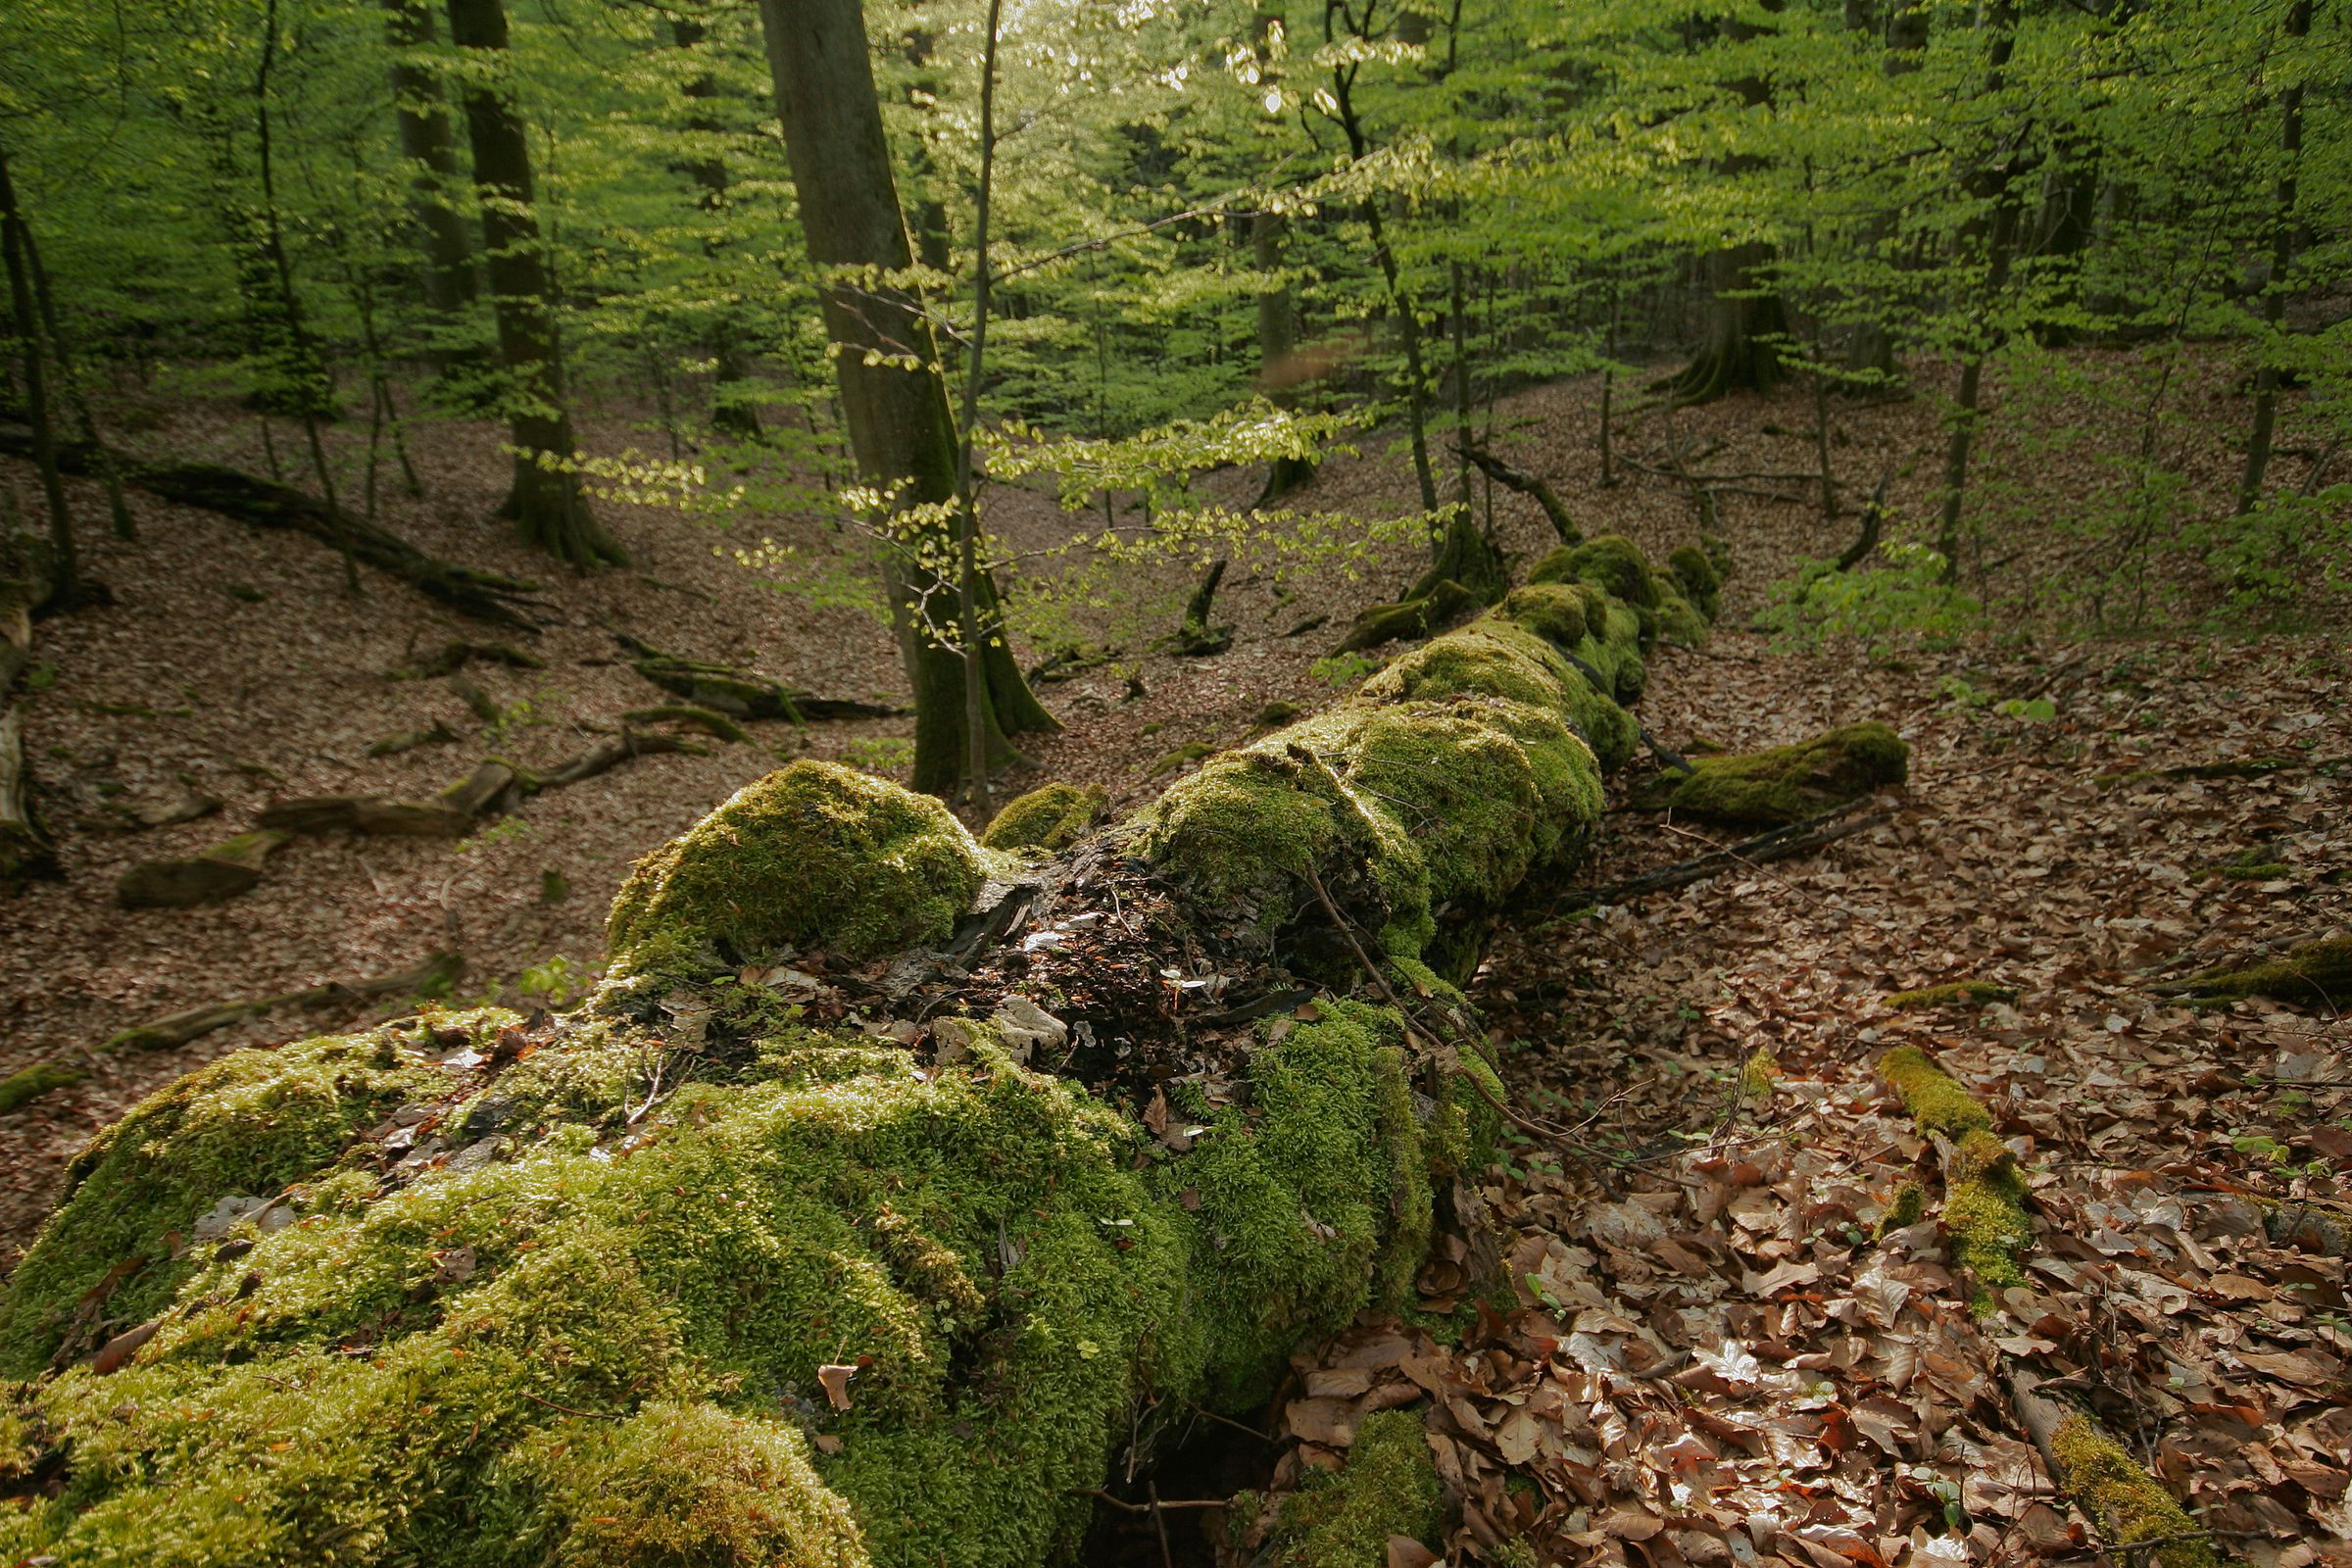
point(227, 869)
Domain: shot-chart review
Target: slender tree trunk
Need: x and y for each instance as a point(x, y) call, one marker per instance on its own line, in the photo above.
point(967, 508)
point(425, 140)
point(273, 238)
point(64, 568)
point(1409, 324)
point(2000, 18)
point(2283, 258)
point(897, 418)
point(546, 502)
point(731, 411)
point(118, 508)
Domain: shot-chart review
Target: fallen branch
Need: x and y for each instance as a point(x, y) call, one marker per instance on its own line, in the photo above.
point(493, 789)
point(433, 977)
point(1529, 485)
point(484, 596)
point(740, 694)
point(1779, 843)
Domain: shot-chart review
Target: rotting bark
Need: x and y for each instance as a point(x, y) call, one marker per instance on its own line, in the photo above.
point(210, 875)
point(485, 596)
point(433, 978)
point(741, 694)
point(1034, 1201)
point(493, 789)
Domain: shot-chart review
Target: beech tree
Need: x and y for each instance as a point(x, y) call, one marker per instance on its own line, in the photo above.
point(546, 501)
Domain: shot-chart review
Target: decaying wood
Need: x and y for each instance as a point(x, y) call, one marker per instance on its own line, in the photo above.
point(484, 596)
point(224, 870)
point(1196, 638)
point(435, 976)
point(493, 789)
point(1531, 486)
point(740, 694)
point(1797, 838)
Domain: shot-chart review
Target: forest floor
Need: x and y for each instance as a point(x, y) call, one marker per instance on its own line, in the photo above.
point(1712, 1360)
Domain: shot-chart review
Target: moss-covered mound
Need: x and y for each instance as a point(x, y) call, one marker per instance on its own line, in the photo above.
point(678, 1280)
point(1050, 818)
point(812, 853)
point(1455, 771)
point(1984, 1219)
point(1787, 783)
point(2130, 1504)
point(584, 1340)
point(1389, 1488)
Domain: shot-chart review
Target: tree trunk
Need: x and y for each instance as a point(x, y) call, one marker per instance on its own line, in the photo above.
point(546, 501)
point(1997, 180)
point(731, 411)
point(1744, 320)
point(25, 847)
point(425, 140)
point(2283, 256)
point(1872, 346)
point(63, 569)
point(898, 426)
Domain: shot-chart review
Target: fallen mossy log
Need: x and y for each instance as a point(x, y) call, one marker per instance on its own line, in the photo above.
point(741, 694)
point(884, 1190)
point(1784, 783)
point(2319, 973)
point(1987, 1232)
point(484, 596)
point(432, 978)
point(210, 875)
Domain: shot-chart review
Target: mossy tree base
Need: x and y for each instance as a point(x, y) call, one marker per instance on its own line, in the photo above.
point(680, 1277)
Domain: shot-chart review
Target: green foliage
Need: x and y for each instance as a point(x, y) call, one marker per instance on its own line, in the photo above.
point(1881, 608)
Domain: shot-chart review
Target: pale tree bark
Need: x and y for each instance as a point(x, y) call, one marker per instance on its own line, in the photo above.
point(546, 501)
point(894, 398)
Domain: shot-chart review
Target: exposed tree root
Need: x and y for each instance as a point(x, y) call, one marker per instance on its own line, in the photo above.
point(432, 978)
point(484, 596)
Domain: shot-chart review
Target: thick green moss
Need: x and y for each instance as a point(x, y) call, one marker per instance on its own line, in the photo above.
point(1984, 1219)
point(1935, 1099)
point(1611, 561)
point(1389, 1488)
point(815, 853)
point(2317, 972)
point(1701, 582)
point(2130, 1504)
point(1975, 992)
point(1050, 818)
point(245, 1126)
point(1553, 610)
point(1497, 658)
point(1787, 783)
